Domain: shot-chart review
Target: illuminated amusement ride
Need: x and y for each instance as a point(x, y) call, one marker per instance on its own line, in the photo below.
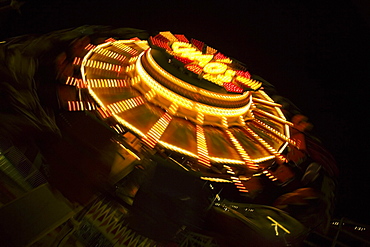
point(192, 149)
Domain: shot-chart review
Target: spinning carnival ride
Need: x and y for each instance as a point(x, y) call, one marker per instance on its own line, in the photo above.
point(204, 107)
point(203, 121)
point(191, 104)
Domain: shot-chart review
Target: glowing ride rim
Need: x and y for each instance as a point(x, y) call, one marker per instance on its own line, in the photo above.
point(155, 85)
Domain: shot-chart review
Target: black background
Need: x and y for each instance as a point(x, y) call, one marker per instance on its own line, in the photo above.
point(316, 53)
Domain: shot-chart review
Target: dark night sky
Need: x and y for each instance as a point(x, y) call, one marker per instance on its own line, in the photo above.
point(316, 54)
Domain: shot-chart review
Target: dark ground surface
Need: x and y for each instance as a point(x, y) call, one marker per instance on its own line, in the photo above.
point(315, 53)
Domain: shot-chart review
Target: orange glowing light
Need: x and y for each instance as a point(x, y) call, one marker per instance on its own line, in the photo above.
point(241, 151)
point(90, 47)
point(155, 133)
point(125, 105)
point(203, 157)
point(125, 48)
point(107, 83)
